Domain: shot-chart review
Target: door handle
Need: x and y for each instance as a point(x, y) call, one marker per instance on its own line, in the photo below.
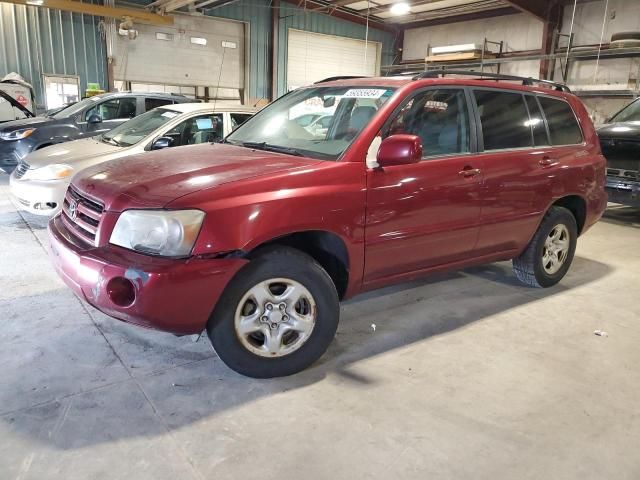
point(547, 161)
point(469, 172)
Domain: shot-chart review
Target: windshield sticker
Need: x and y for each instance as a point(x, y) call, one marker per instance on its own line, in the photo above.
point(170, 114)
point(364, 93)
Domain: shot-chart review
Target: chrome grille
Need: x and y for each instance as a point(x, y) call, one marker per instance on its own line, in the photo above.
point(21, 169)
point(81, 215)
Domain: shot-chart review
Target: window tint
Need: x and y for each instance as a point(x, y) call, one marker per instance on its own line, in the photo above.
point(115, 109)
point(439, 118)
point(563, 126)
point(238, 119)
point(200, 129)
point(504, 118)
point(151, 103)
point(537, 122)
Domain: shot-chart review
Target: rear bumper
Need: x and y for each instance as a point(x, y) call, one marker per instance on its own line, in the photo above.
point(175, 296)
point(38, 197)
point(622, 191)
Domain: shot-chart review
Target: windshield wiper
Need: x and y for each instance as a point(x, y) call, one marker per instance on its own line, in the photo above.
point(111, 141)
point(272, 148)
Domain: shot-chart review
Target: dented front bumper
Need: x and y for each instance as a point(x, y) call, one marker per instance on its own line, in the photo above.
point(173, 295)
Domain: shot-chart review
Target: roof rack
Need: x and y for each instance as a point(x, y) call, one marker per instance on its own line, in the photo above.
point(498, 76)
point(340, 77)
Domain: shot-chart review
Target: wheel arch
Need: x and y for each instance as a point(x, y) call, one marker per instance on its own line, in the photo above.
point(577, 205)
point(326, 248)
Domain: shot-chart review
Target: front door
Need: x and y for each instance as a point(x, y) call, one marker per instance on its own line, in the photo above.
point(111, 112)
point(426, 214)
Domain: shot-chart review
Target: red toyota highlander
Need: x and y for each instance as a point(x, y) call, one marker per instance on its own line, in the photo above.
point(257, 239)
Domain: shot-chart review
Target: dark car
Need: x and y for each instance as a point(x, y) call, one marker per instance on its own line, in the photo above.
point(258, 238)
point(87, 118)
point(620, 142)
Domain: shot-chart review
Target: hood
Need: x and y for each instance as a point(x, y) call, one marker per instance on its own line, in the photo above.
point(622, 130)
point(153, 179)
point(71, 153)
point(25, 123)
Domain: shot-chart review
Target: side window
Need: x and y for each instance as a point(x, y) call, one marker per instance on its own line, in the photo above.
point(537, 122)
point(200, 129)
point(151, 103)
point(563, 126)
point(439, 117)
point(115, 109)
point(504, 118)
point(238, 119)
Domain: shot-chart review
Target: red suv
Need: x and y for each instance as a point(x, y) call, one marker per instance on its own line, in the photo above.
point(257, 239)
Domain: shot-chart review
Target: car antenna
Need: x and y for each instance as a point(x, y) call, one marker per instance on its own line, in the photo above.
point(224, 49)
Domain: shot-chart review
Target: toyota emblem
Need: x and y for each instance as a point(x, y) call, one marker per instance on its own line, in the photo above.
point(73, 210)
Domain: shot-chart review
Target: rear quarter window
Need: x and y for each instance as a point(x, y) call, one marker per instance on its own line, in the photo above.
point(562, 122)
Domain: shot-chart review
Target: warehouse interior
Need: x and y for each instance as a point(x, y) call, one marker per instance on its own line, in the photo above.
point(463, 373)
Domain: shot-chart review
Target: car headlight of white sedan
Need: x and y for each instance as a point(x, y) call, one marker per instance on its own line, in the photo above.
point(167, 233)
point(55, 171)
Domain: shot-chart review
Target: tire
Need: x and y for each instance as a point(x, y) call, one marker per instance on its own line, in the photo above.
point(625, 36)
point(533, 267)
point(266, 351)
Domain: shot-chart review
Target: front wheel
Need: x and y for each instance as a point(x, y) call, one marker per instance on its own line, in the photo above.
point(277, 316)
point(548, 256)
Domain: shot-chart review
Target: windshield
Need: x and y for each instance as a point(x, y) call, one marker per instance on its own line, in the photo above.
point(138, 128)
point(75, 108)
point(630, 113)
point(283, 126)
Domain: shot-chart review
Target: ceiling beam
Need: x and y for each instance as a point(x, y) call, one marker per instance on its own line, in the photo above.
point(342, 14)
point(538, 8)
point(498, 12)
point(137, 15)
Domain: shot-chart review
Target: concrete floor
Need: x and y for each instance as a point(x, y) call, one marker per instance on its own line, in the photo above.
point(467, 375)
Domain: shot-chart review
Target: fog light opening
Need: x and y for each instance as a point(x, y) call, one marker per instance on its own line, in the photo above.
point(121, 291)
point(45, 206)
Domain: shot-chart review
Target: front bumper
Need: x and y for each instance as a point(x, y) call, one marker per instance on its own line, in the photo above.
point(623, 191)
point(38, 197)
point(172, 295)
point(11, 152)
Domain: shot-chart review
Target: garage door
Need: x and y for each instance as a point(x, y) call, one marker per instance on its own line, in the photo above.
point(314, 56)
point(194, 52)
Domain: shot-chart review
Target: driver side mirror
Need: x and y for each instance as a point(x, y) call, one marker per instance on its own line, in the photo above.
point(94, 118)
point(400, 149)
point(162, 142)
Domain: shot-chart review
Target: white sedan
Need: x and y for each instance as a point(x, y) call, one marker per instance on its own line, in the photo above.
point(39, 183)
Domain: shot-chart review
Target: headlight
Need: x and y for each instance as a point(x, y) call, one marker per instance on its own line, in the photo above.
point(17, 134)
point(50, 172)
point(158, 232)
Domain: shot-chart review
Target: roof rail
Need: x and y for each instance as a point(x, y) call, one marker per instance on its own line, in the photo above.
point(498, 76)
point(340, 77)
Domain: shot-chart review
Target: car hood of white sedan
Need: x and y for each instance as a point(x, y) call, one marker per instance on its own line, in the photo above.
point(71, 153)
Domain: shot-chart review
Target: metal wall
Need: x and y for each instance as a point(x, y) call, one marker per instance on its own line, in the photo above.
point(257, 13)
point(35, 40)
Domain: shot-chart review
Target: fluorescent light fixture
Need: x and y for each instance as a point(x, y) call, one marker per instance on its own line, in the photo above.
point(37, 3)
point(401, 8)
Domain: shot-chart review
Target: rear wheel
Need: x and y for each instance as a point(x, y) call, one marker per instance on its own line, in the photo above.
point(277, 316)
point(548, 256)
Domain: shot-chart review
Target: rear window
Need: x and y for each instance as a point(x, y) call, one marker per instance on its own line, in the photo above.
point(563, 126)
point(504, 118)
point(151, 103)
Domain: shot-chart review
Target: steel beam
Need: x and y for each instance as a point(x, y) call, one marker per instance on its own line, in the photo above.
point(137, 15)
point(460, 18)
point(538, 8)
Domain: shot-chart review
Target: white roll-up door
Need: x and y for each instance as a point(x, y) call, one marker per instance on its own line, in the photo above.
point(314, 56)
point(194, 51)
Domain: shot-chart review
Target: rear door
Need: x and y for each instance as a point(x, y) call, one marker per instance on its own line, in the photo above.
point(519, 168)
point(426, 214)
